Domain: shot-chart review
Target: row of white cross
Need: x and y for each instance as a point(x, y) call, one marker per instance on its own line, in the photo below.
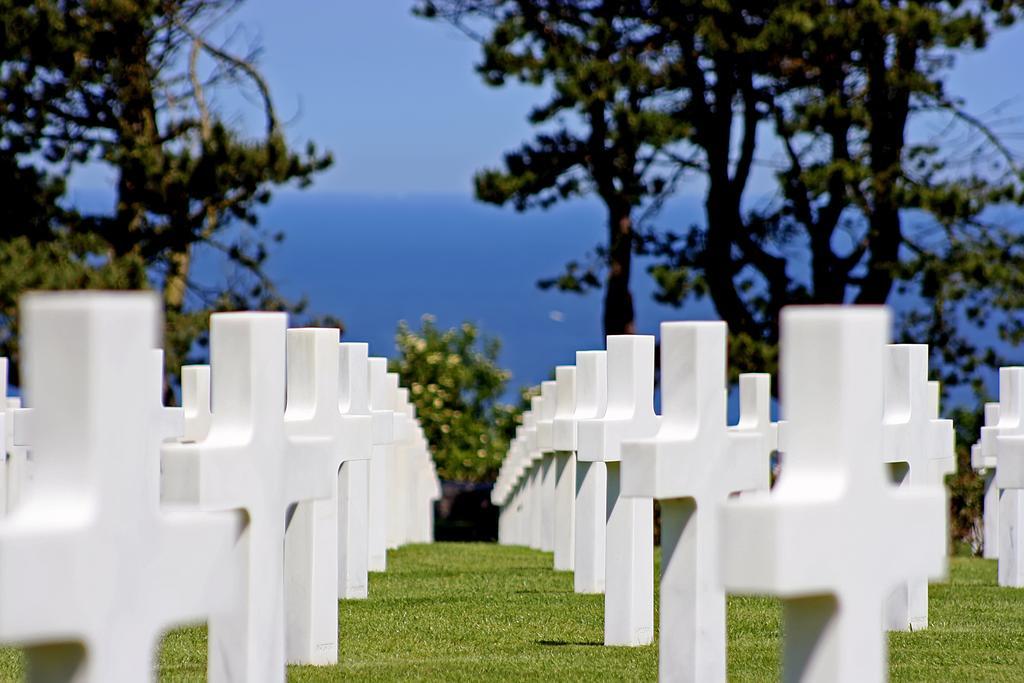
point(848, 536)
point(999, 456)
point(293, 465)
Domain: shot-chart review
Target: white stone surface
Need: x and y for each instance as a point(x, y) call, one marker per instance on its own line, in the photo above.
point(381, 410)
point(248, 463)
point(692, 465)
point(546, 451)
point(195, 401)
point(919, 449)
point(314, 575)
point(565, 471)
point(591, 477)
point(354, 476)
point(629, 552)
point(535, 473)
point(834, 537)
point(171, 419)
point(1005, 442)
point(986, 467)
point(405, 476)
point(401, 429)
point(88, 594)
point(9, 481)
point(18, 473)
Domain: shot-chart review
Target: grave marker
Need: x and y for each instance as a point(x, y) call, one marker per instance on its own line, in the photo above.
point(248, 463)
point(356, 441)
point(692, 465)
point(986, 466)
point(195, 401)
point(919, 449)
point(1003, 441)
point(382, 412)
point(565, 468)
point(88, 594)
point(834, 537)
point(546, 454)
point(591, 484)
point(629, 550)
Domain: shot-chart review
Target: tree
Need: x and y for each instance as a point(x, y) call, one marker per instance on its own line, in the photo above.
point(834, 98)
point(131, 86)
point(868, 210)
point(456, 384)
point(603, 130)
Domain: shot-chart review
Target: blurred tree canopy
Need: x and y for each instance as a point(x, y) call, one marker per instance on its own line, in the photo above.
point(131, 87)
point(455, 382)
point(881, 185)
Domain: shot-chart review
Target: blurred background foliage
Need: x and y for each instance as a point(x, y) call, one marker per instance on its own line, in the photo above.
point(133, 86)
point(456, 384)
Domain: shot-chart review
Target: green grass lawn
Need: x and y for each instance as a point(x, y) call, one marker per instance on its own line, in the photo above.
point(453, 612)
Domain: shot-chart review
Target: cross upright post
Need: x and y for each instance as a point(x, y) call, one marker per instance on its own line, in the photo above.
point(405, 483)
point(382, 412)
point(508, 493)
point(986, 465)
point(247, 462)
point(815, 540)
point(1003, 441)
point(916, 446)
point(195, 401)
point(94, 510)
point(354, 475)
point(629, 550)
point(591, 485)
point(692, 465)
point(171, 419)
point(546, 453)
point(396, 466)
point(533, 494)
point(10, 471)
point(565, 469)
point(316, 541)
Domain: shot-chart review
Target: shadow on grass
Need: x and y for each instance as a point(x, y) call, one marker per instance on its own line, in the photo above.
point(563, 643)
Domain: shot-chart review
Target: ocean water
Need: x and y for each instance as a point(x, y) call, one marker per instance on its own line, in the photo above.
point(373, 261)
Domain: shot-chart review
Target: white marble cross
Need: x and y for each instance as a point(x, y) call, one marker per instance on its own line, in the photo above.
point(986, 466)
point(1005, 442)
point(382, 412)
point(92, 570)
point(171, 418)
point(426, 490)
point(8, 479)
point(532, 454)
point(247, 462)
point(629, 550)
point(406, 458)
point(509, 493)
point(401, 432)
point(195, 401)
point(565, 469)
point(834, 537)
point(313, 541)
point(591, 483)
point(19, 473)
point(354, 477)
point(546, 452)
point(692, 465)
point(919, 449)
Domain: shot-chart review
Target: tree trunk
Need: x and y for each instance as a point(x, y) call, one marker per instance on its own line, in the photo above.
point(619, 317)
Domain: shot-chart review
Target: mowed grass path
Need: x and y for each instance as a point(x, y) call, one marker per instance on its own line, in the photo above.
point(464, 612)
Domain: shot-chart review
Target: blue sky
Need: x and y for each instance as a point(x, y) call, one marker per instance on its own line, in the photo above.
point(395, 98)
point(391, 231)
